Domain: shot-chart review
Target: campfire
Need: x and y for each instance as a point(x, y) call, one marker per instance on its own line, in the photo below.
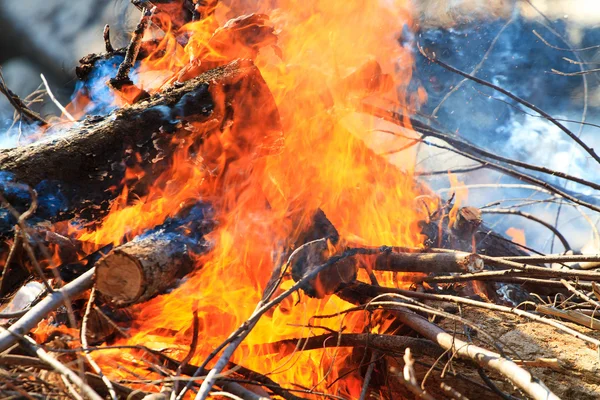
point(229, 208)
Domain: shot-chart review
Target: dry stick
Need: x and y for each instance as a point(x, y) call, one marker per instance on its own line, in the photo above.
point(579, 294)
point(367, 379)
point(40, 311)
point(236, 337)
point(484, 358)
point(476, 69)
point(122, 77)
point(394, 117)
point(562, 48)
point(410, 378)
point(451, 392)
point(554, 258)
point(383, 343)
point(106, 35)
point(55, 101)
point(481, 304)
point(84, 344)
point(454, 171)
point(505, 92)
point(190, 354)
point(21, 229)
point(531, 217)
point(428, 262)
point(578, 73)
point(573, 316)
point(521, 273)
point(18, 104)
point(54, 363)
point(546, 283)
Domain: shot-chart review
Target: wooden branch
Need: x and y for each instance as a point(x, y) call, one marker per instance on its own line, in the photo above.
point(570, 315)
point(384, 343)
point(57, 366)
point(87, 161)
point(41, 310)
point(362, 292)
point(18, 104)
point(428, 262)
point(482, 357)
point(146, 266)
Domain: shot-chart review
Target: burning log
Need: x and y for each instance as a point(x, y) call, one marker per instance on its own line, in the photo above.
point(428, 262)
point(153, 262)
point(89, 161)
point(138, 270)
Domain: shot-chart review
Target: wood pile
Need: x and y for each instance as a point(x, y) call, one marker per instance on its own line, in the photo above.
point(424, 328)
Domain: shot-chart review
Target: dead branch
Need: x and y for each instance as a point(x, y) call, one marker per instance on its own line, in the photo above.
point(365, 290)
point(106, 35)
point(428, 262)
point(55, 364)
point(387, 344)
point(18, 104)
point(505, 92)
point(531, 217)
point(84, 343)
point(88, 160)
point(410, 379)
point(570, 315)
point(122, 77)
point(40, 311)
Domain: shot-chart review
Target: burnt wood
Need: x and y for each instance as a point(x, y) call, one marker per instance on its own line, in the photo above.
point(87, 164)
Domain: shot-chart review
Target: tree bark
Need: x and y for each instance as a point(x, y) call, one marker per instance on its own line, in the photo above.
point(154, 261)
point(428, 262)
point(86, 165)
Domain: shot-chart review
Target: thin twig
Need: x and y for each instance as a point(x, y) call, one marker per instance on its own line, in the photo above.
point(476, 69)
point(40, 311)
point(55, 364)
point(84, 343)
point(505, 92)
point(578, 73)
point(55, 101)
point(18, 104)
point(531, 217)
point(107, 44)
point(369, 373)
point(562, 48)
point(122, 77)
point(410, 378)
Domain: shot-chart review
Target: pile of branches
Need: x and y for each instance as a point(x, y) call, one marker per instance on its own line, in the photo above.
point(87, 161)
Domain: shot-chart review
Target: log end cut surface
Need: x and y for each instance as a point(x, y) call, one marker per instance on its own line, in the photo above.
point(120, 277)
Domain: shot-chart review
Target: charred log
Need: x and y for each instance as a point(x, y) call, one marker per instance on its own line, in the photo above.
point(87, 164)
point(153, 262)
point(428, 262)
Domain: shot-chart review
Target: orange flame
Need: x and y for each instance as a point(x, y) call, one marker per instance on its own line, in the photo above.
point(517, 236)
point(330, 55)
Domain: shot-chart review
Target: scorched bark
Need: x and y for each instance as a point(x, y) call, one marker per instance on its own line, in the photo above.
point(88, 162)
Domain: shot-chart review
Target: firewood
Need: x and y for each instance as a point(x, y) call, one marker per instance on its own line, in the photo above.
point(153, 262)
point(88, 162)
point(428, 262)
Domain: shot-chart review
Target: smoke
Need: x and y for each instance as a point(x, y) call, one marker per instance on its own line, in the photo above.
point(520, 62)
